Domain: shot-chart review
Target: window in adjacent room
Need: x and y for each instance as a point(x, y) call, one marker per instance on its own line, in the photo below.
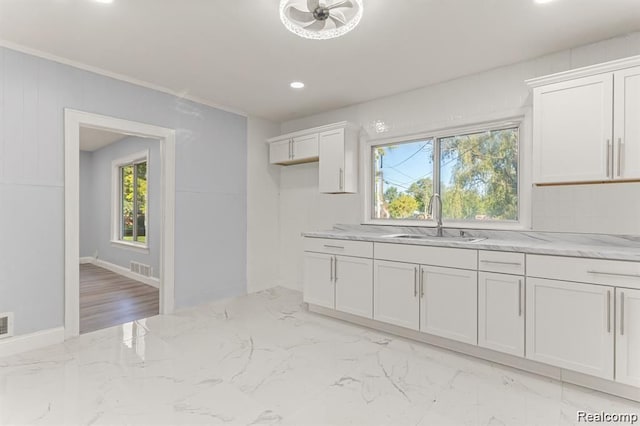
point(131, 201)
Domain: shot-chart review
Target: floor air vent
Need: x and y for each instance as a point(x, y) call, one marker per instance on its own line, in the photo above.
point(6, 325)
point(140, 269)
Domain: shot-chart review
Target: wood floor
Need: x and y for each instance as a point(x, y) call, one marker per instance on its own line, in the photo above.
point(108, 299)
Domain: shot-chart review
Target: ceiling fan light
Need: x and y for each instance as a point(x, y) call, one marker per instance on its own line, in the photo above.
point(308, 31)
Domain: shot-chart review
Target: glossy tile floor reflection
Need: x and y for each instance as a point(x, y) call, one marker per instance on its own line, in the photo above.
point(262, 359)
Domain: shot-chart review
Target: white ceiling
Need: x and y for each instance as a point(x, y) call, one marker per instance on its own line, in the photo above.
point(94, 139)
point(236, 53)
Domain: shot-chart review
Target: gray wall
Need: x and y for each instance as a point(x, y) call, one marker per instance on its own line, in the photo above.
point(211, 178)
point(95, 204)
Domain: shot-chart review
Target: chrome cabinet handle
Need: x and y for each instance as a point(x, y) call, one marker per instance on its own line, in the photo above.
point(622, 313)
point(341, 179)
point(421, 283)
point(336, 247)
point(331, 268)
point(615, 274)
point(335, 269)
point(497, 262)
point(608, 311)
point(608, 157)
point(415, 282)
point(619, 157)
point(520, 298)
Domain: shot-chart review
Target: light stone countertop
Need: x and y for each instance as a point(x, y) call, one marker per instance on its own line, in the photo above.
point(596, 246)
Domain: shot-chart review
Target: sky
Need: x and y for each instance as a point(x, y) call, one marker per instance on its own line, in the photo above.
point(408, 162)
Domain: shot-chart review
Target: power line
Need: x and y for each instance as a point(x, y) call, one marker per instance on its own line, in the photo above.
point(411, 156)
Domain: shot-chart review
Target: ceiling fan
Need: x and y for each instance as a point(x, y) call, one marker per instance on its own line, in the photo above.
point(318, 19)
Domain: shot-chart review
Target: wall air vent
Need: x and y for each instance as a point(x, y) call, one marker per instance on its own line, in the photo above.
point(6, 325)
point(140, 269)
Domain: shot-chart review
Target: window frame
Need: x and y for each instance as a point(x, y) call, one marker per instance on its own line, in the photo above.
point(116, 201)
point(522, 121)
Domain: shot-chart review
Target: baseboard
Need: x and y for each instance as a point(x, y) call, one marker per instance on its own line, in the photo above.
point(28, 342)
point(552, 372)
point(152, 281)
point(87, 259)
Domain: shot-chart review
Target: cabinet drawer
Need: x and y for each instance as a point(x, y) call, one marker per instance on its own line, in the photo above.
point(427, 255)
point(594, 271)
point(501, 261)
point(342, 247)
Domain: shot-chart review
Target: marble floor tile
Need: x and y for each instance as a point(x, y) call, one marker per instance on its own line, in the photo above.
point(263, 359)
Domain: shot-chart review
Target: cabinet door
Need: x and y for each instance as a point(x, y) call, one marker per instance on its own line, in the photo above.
point(501, 312)
point(280, 152)
point(449, 303)
point(627, 123)
point(332, 173)
point(305, 147)
point(318, 283)
point(395, 294)
point(570, 325)
point(628, 336)
point(354, 285)
point(572, 130)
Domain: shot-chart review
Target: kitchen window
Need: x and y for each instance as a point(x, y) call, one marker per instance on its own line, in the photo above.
point(476, 172)
point(131, 200)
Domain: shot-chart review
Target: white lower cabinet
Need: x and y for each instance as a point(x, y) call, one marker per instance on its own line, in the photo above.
point(318, 280)
point(449, 302)
point(396, 298)
point(343, 283)
point(501, 312)
point(571, 325)
point(354, 285)
point(628, 336)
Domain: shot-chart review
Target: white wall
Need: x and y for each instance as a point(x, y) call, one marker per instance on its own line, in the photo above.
point(96, 208)
point(211, 185)
point(488, 95)
point(263, 226)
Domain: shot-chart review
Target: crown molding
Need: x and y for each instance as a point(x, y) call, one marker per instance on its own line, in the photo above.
point(584, 71)
point(121, 77)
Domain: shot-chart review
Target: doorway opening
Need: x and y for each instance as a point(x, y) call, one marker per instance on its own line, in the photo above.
point(119, 221)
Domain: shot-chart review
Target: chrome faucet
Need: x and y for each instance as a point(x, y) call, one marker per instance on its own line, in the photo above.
point(439, 215)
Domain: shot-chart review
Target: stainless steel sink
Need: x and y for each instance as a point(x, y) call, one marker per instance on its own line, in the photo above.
point(435, 238)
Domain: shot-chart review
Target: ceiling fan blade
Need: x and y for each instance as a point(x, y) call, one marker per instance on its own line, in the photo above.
point(299, 15)
point(338, 18)
point(338, 23)
point(316, 26)
point(313, 5)
point(345, 3)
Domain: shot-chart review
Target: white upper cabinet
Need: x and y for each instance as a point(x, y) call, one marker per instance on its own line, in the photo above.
point(626, 124)
point(294, 150)
point(585, 124)
point(339, 161)
point(572, 130)
point(335, 146)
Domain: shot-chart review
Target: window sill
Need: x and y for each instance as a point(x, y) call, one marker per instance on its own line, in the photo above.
point(500, 226)
point(141, 248)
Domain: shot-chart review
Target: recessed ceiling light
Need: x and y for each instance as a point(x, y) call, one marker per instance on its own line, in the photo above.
point(542, 1)
point(297, 85)
point(104, 1)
